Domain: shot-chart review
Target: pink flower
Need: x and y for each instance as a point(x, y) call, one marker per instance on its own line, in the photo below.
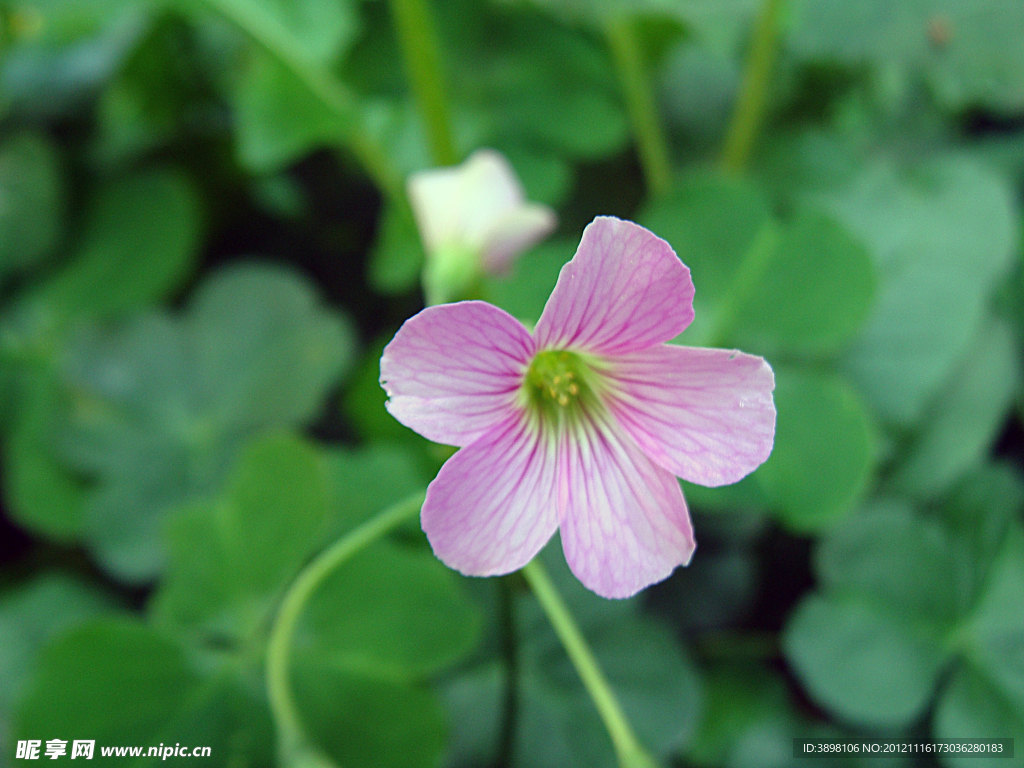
point(582, 425)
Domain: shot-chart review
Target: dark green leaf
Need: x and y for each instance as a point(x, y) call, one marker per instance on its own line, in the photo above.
point(41, 493)
point(254, 351)
point(971, 708)
point(867, 667)
point(965, 417)
point(139, 245)
point(815, 293)
point(230, 559)
point(31, 201)
point(900, 562)
point(32, 614)
point(823, 452)
point(967, 48)
point(995, 635)
point(940, 239)
point(354, 488)
point(369, 722)
point(391, 613)
point(712, 222)
point(278, 118)
point(397, 256)
point(119, 682)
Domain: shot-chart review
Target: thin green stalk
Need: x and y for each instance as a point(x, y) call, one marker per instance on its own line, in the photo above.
point(643, 111)
point(282, 705)
point(750, 107)
point(627, 748)
point(323, 85)
point(417, 36)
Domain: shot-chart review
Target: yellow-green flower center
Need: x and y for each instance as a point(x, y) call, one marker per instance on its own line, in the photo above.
point(559, 384)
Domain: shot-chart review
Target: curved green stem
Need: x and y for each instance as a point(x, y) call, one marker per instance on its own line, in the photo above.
point(627, 748)
point(643, 112)
point(331, 92)
point(418, 39)
point(282, 705)
point(749, 112)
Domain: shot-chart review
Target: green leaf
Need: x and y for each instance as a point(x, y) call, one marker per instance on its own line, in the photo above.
point(121, 682)
point(899, 562)
point(115, 681)
point(865, 666)
point(278, 118)
point(971, 708)
point(940, 239)
point(231, 559)
point(965, 417)
point(532, 82)
point(823, 453)
point(738, 696)
point(802, 288)
point(995, 635)
point(41, 494)
point(390, 612)
point(354, 488)
point(140, 241)
point(254, 351)
point(815, 292)
point(712, 222)
point(265, 349)
point(309, 30)
point(547, 178)
point(32, 614)
point(967, 48)
point(524, 293)
point(31, 201)
point(396, 259)
point(369, 722)
point(978, 512)
point(62, 50)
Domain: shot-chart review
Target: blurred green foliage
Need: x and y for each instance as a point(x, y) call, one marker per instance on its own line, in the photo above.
point(204, 247)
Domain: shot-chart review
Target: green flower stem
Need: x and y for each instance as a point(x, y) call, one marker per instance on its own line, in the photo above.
point(643, 112)
point(418, 39)
point(627, 748)
point(749, 112)
point(282, 705)
point(323, 85)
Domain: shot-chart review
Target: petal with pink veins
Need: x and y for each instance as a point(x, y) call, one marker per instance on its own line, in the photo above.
point(491, 508)
point(706, 415)
point(623, 519)
point(452, 371)
point(624, 290)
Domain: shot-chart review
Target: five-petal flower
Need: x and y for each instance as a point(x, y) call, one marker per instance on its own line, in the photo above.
point(582, 425)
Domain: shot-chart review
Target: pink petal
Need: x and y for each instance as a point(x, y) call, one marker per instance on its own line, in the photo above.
point(706, 415)
point(623, 519)
point(452, 371)
point(491, 508)
point(624, 290)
